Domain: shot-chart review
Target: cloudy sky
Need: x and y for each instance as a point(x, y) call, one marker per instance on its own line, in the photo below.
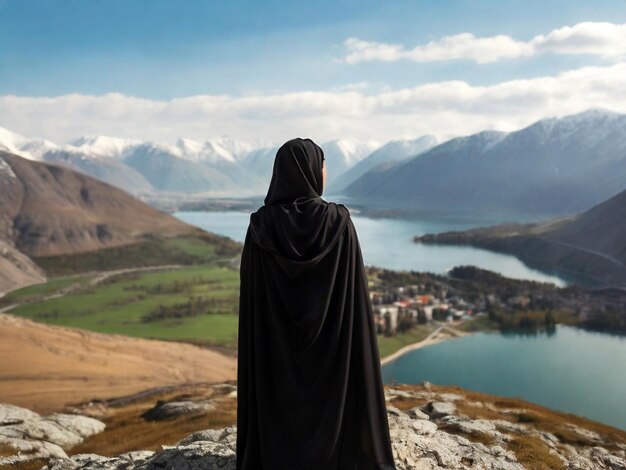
point(272, 70)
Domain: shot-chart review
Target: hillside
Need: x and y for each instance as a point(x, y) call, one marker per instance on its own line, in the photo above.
point(66, 221)
point(591, 244)
point(53, 366)
point(391, 152)
point(552, 167)
point(17, 269)
point(50, 210)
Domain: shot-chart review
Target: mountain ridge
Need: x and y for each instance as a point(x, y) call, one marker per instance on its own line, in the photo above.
point(592, 243)
point(555, 166)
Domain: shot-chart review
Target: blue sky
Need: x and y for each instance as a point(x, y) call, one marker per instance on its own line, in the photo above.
point(164, 50)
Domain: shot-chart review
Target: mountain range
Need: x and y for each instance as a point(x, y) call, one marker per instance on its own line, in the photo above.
point(555, 166)
point(220, 166)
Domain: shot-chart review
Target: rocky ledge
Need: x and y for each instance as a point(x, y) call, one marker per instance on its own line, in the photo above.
point(431, 428)
point(27, 436)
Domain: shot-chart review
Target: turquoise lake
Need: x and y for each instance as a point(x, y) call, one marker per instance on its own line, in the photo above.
point(388, 243)
point(572, 370)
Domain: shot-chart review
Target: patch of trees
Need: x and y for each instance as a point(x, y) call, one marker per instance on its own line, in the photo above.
point(193, 307)
point(613, 318)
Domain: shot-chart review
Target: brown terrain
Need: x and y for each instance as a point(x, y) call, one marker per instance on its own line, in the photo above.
point(45, 367)
point(48, 210)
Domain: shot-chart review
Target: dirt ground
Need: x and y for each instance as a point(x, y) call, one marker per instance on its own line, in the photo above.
point(45, 368)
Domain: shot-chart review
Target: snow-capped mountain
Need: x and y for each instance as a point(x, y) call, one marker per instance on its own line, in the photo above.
point(104, 145)
point(139, 167)
point(391, 152)
point(220, 165)
point(339, 155)
point(552, 167)
point(343, 154)
point(14, 143)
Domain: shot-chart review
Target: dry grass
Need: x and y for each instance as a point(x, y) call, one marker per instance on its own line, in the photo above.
point(127, 431)
point(7, 451)
point(541, 417)
point(531, 414)
point(34, 464)
point(533, 453)
point(405, 404)
point(475, 436)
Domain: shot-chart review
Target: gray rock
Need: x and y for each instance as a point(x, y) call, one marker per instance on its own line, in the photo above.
point(439, 409)
point(417, 443)
point(34, 436)
point(477, 426)
point(417, 413)
point(166, 410)
point(11, 414)
point(424, 427)
point(450, 397)
point(80, 425)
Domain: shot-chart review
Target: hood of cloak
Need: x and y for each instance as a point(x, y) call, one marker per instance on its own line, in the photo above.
point(296, 225)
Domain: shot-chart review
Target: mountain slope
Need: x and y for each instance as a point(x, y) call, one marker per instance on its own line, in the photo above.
point(16, 269)
point(555, 166)
point(106, 169)
point(87, 155)
point(391, 152)
point(592, 244)
point(167, 171)
point(342, 154)
point(48, 366)
point(48, 210)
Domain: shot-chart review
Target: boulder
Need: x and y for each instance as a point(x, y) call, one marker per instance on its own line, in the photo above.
point(34, 436)
point(171, 409)
point(439, 409)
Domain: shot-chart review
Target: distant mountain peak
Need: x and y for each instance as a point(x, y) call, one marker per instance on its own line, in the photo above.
point(103, 145)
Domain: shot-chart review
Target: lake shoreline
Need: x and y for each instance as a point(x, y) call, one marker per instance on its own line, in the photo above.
point(442, 333)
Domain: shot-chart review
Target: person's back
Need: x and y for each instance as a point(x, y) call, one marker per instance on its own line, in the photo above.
point(310, 393)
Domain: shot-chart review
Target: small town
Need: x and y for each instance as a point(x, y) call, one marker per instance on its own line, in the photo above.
point(402, 301)
point(398, 309)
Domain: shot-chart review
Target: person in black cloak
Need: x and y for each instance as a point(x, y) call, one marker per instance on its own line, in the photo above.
point(309, 388)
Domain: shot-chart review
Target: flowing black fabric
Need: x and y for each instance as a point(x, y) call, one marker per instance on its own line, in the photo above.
point(310, 393)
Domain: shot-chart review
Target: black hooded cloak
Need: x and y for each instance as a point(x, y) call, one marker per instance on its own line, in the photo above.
point(310, 393)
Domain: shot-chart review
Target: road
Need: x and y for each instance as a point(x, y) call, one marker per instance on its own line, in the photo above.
point(99, 277)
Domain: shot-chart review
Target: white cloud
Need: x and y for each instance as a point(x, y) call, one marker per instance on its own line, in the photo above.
point(459, 46)
point(602, 39)
point(444, 108)
point(351, 86)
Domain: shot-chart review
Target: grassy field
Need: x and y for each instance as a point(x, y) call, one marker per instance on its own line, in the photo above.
point(153, 251)
point(196, 303)
point(192, 303)
point(37, 291)
point(390, 344)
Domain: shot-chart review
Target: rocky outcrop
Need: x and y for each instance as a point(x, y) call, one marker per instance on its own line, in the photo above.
point(435, 434)
point(29, 435)
point(165, 410)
